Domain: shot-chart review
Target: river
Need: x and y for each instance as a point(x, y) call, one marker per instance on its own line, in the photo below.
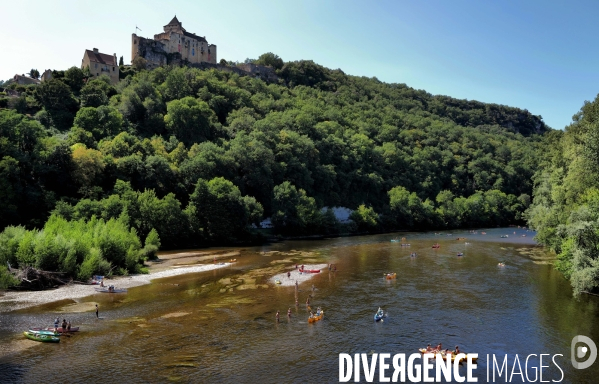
point(220, 327)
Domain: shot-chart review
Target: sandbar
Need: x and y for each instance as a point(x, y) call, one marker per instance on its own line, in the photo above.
point(295, 275)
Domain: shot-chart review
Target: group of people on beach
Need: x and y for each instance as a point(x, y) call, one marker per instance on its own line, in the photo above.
point(65, 326)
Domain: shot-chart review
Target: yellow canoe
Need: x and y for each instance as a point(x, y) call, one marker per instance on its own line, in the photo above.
point(423, 351)
point(316, 318)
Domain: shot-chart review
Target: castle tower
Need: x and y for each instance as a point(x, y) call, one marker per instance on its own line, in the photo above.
point(174, 26)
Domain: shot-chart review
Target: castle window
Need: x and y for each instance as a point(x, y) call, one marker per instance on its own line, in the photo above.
point(112, 69)
point(96, 65)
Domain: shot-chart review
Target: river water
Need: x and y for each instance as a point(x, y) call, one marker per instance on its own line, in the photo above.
point(220, 327)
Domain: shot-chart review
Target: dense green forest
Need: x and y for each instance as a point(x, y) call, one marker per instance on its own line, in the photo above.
point(184, 157)
point(565, 208)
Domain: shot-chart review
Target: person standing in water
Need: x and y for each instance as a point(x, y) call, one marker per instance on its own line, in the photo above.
point(278, 316)
point(289, 313)
point(97, 311)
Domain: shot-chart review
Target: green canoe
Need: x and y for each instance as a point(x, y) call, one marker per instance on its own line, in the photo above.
point(41, 337)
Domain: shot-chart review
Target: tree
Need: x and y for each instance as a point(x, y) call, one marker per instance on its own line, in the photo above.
point(88, 165)
point(58, 100)
point(270, 59)
point(294, 211)
point(139, 63)
point(96, 92)
point(219, 211)
point(74, 78)
point(121, 62)
point(102, 122)
point(34, 73)
point(189, 120)
point(365, 217)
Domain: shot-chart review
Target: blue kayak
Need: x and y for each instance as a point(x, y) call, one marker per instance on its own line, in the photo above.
point(379, 315)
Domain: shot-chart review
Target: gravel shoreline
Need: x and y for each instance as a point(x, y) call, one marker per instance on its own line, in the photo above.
point(13, 300)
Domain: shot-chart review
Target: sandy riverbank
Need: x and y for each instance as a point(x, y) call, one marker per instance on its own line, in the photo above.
point(167, 265)
point(295, 275)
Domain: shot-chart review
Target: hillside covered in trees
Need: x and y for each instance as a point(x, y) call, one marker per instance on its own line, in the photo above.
point(565, 208)
point(183, 157)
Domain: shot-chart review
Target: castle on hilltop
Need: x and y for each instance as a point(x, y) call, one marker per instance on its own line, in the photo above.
point(175, 44)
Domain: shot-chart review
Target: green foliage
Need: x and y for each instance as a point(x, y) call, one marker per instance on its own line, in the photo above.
point(294, 212)
point(270, 59)
point(34, 73)
point(10, 239)
point(74, 77)
point(97, 92)
point(365, 218)
point(58, 100)
point(189, 120)
point(565, 206)
point(80, 248)
point(219, 211)
point(151, 245)
point(101, 122)
point(6, 278)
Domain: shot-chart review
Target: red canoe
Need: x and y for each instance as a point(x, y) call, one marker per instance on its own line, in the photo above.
point(310, 270)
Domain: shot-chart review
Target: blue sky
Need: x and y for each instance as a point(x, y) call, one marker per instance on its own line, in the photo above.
point(537, 55)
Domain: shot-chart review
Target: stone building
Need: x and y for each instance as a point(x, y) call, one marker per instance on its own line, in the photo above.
point(174, 45)
point(47, 75)
point(101, 64)
point(25, 80)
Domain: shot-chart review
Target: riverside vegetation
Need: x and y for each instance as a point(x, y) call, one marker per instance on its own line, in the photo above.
point(182, 157)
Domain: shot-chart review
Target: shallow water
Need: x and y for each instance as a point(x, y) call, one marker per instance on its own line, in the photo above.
point(220, 326)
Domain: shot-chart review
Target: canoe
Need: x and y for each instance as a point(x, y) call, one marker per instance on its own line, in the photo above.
point(59, 329)
point(423, 351)
point(41, 337)
point(232, 260)
point(73, 329)
point(460, 254)
point(436, 246)
point(405, 245)
point(395, 241)
point(316, 318)
point(378, 316)
point(390, 276)
point(43, 332)
point(106, 290)
point(277, 281)
point(310, 270)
